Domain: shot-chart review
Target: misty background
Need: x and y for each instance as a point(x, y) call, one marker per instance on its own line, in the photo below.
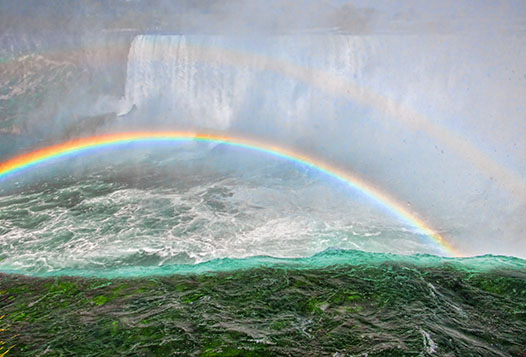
point(423, 99)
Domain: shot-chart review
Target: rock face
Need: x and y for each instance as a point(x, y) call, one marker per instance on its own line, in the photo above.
point(59, 63)
point(49, 85)
point(27, 84)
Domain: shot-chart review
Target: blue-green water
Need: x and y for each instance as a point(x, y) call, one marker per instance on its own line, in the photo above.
point(378, 305)
point(327, 258)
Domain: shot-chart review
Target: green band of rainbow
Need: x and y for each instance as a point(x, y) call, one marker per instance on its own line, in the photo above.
point(29, 159)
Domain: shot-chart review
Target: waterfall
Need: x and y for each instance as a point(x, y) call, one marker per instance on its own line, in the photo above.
point(216, 82)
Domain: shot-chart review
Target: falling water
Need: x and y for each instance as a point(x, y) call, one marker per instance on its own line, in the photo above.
point(220, 82)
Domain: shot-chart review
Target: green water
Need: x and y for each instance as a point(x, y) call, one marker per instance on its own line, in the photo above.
point(419, 306)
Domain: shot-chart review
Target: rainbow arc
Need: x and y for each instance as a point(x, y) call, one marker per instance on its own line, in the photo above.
point(33, 158)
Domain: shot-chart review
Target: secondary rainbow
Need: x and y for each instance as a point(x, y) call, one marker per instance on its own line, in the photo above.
point(24, 161)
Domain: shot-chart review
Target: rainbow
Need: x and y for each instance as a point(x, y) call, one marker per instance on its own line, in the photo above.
point(27, 160)
point(342, 87)
point(336, 86)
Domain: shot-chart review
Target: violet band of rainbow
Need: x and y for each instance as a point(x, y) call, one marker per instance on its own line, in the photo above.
point(26, 160)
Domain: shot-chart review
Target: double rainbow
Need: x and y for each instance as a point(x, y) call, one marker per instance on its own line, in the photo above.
point(24, 161)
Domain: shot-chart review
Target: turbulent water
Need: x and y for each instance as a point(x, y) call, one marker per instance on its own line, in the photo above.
point(200, 249)
point(140, 210)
